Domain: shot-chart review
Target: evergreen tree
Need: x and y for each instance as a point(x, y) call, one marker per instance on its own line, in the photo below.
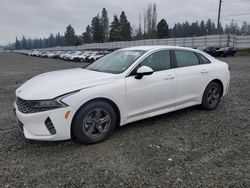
point(29, 44)
point(176, 31)
point(51, 41)
point(114, 33)
point(214, 30)
point(162, 29)
point(248, 29)
point(41, 44)
point(203, 28)
point(46, 42)
point(58, 40)
point(105, 24)
point(209, 26)
point(220, 30)
point(195, 29)
point(125, 28)
point(17, 44)
point(185, 30)
point(78, 41)
point(86, 36)
point(36, 44)
point(70, 37)
point(24, 43)
point(97, 30)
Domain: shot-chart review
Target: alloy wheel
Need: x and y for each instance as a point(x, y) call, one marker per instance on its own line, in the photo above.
point(96, 123)
point(213, 96)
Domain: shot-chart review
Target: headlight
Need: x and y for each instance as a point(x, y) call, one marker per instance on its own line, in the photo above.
point(47, 104)
point(51, 103)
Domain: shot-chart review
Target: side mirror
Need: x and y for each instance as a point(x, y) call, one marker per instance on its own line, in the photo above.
point(143, 71)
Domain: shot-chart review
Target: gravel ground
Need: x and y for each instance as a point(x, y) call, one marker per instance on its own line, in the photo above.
point(187, 148)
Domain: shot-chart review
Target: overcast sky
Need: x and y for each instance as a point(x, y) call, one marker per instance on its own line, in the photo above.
point(39, 18)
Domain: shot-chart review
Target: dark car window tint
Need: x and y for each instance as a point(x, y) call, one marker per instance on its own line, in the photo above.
point(203, 60)
point(186, 58)
point(158, 61)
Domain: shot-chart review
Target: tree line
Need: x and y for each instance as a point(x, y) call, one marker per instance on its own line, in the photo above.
point(101, 30)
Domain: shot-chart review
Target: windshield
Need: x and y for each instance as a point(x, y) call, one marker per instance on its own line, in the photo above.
point(116, 62)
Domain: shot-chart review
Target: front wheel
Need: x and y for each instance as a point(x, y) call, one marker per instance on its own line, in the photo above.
point(211, 97)
point(94, 122)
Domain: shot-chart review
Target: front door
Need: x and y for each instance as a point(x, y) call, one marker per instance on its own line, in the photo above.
point(154, 92)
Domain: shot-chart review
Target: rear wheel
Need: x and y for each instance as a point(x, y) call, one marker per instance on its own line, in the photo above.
point(211, 97)
point(94, 123)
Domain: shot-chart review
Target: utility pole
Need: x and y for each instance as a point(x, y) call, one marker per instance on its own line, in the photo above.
point(218, 23)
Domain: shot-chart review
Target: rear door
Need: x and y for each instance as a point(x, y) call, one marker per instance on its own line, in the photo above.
point(192, 75)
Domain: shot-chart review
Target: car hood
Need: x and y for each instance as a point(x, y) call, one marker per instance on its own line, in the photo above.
point(52, 84)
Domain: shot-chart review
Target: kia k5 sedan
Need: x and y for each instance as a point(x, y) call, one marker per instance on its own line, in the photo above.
point(124, 86)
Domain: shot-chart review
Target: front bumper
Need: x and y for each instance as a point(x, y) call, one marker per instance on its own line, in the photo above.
point(47, 125)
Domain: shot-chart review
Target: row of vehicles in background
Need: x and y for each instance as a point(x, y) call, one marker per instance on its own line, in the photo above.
point(91, 56)
point(76, 56)
point(219, 52)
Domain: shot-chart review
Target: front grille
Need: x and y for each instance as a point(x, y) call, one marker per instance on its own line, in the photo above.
point(25, 107)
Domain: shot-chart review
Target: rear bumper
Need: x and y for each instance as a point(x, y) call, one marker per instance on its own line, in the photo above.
point(48, 126)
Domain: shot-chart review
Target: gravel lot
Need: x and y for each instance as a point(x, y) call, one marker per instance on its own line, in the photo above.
point(187, 148)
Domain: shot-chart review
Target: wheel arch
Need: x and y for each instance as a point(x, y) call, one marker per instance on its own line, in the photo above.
point(112, 103)
point(218, 81)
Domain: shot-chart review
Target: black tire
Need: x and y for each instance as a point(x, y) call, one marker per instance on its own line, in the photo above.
point(88, 129)
point(211, 97)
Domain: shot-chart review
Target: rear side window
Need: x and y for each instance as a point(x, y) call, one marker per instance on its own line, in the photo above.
point(203, 60)
point(185, 58)
point(158, 61)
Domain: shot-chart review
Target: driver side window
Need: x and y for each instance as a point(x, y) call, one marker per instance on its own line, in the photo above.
point(158, 61)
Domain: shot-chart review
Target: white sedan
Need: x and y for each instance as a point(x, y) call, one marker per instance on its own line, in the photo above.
point(125, 86)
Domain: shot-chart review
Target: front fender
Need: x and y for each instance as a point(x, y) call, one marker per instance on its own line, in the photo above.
point(116, 95)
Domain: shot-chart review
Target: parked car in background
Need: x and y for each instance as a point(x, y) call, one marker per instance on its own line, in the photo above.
point(90, 54)
point(70, 56)
point(219, 52)
point(57, 55)
point(227, 51)
point(201, 48)
point(125, 86)
point(211, 50)
point(76, 57)
point(43, 54)
point(84, 56)
point(95, 56)
point(52, 54)
point(64, 54)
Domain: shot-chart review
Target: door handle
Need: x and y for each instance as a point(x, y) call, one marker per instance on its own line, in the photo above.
point(169, 77)
point(204, 71)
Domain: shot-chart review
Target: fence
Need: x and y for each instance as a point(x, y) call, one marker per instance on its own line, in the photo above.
point(239, 42)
